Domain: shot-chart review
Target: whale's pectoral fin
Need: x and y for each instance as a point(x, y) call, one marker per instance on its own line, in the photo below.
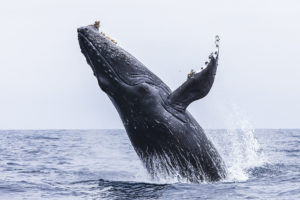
point(196, 86)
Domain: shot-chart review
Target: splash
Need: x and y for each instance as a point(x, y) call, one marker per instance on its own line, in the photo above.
point(240, 150)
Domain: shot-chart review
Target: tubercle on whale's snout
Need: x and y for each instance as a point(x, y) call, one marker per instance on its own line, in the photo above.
point(97, 26)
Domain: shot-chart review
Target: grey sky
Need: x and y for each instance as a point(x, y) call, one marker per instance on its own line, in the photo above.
point(45, 82)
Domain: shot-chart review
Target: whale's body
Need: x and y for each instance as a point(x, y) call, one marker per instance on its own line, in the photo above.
point(164, 134)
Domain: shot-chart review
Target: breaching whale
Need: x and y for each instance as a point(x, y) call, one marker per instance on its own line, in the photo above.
point(166, 137)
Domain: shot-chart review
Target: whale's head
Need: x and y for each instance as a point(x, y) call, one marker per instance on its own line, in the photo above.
point(117, 71)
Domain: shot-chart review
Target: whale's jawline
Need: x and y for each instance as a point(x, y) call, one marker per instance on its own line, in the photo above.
point(85, 52)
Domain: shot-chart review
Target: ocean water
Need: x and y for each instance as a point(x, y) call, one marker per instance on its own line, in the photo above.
point(102, 164)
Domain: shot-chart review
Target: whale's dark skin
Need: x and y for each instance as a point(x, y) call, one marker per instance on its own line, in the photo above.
point(164, 134)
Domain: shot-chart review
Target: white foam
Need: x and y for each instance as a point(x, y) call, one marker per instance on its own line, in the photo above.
point(241, 150)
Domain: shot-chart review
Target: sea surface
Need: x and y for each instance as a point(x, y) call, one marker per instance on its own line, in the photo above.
point(102, 164)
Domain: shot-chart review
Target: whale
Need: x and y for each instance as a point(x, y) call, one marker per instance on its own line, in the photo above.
point(166, 137)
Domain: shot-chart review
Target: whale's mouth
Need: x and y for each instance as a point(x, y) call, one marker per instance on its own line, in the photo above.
point(96, 46)
point(83, 39)
point(95, 59)
point(86, 47)
point(89, 38)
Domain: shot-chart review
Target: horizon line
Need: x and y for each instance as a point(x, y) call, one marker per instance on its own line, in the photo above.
point(44, 129)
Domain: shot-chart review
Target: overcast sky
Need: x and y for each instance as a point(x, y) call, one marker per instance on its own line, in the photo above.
point(45, 81)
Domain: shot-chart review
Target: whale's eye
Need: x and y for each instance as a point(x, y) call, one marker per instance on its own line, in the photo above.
point(144, 89)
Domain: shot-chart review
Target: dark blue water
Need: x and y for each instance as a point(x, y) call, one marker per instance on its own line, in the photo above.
point(101, 164)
